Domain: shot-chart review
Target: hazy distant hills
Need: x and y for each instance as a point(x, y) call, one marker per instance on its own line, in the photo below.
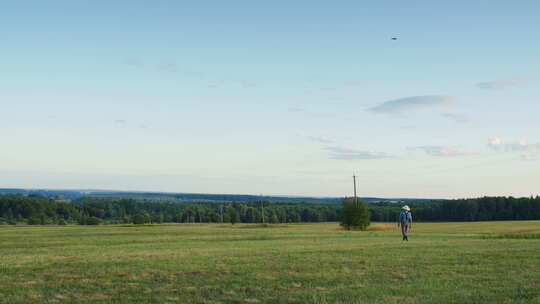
point(186, 197)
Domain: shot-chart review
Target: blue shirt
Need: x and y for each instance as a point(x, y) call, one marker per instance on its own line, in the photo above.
point(405, 216)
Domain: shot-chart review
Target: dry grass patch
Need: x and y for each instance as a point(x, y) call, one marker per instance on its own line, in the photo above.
point(381, 227)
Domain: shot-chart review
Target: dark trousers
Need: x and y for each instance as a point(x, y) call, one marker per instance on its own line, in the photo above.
point(405, 230)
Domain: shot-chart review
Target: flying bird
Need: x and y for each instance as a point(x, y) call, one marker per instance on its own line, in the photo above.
point(394, 38)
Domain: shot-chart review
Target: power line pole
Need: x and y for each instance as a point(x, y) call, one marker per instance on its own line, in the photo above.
point(262, 210)
point(221, 211)
point(355, 198)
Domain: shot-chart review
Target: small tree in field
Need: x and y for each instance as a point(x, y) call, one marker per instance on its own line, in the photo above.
point(234, 217)
point(141, 218)
point(355, 214)
point(93, 221)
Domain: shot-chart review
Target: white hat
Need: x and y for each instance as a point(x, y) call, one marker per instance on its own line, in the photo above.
point(406, 208)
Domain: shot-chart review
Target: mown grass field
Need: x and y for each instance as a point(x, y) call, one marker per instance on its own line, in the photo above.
point(299, 263)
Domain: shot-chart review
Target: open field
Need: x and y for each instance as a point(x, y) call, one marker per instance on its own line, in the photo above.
point(480, 262)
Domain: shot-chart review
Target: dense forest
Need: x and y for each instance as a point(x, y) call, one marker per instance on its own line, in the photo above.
point(477, 209)
point(35, 209)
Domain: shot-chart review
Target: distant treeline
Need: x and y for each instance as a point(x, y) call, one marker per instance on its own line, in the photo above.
point(476, 209)
point(34, 209)
point(209, 198)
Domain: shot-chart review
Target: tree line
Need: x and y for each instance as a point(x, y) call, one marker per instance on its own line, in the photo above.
point(475, 209)
point(39, 210)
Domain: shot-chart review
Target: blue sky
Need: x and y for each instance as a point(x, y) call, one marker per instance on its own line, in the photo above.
point(272, 98)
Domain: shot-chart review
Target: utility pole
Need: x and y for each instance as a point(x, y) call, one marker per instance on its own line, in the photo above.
point(221, 211)
point(262, 209)
point(355, 198)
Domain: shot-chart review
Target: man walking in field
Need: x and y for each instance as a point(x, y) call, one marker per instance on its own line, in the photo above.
point(405, 220)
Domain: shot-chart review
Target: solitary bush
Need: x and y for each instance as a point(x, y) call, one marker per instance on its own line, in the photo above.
point(355, 214)
point(141, 218)
point(126, 219)
point(158, 218)
point(34, 221)
point(93, 221)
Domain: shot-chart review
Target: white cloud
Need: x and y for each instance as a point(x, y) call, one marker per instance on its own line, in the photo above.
point(353, 154)
point(442, 150)
point(401, 105)
point(494, 142)
point(502, 84)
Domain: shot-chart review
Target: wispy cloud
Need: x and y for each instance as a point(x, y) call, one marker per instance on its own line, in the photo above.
point(168, 67)
point(132, 62)
point(192, 73)
point(398, 106)
point(321, 139)
point(528, 156)
point(296, 109)
point(502, 84)
point(120, 121)
point(443, 151)
point(247, 85)
point(336, 98)
point(355, 83)
point(354, 154)
point(457, 117)
point(527, 151)
point(497, 144)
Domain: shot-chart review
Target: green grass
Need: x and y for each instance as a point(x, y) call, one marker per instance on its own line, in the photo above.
point(527, 236)
point(298, 263)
